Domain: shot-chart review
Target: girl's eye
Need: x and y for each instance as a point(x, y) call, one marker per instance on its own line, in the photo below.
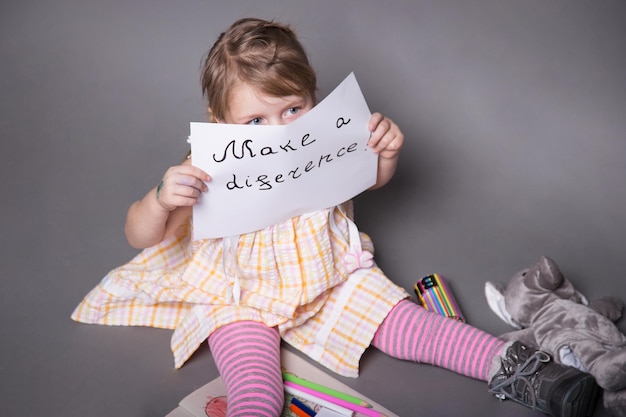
point(255, 121)
point(293, 110)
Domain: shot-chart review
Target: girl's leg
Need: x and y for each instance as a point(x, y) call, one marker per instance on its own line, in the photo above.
point(413, 333)
point(512, 370)
point(247, 355)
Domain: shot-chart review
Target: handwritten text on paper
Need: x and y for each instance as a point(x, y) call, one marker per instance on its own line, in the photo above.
point(263, 175)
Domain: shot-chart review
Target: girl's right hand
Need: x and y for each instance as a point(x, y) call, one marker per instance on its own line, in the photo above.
point(181, 186)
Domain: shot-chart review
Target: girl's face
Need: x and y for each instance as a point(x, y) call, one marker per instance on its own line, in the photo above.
point(248, 105)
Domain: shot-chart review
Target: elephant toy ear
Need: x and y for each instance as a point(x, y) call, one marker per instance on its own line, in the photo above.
point(494, 292)
point(545, 275)
point(546, 279)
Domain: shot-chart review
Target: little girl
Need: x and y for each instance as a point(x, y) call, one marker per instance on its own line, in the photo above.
point(310, 280)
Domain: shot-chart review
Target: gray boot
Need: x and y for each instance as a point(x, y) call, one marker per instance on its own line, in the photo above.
point(529, 376)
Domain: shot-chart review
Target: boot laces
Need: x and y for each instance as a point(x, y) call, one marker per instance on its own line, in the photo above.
point(523, 373)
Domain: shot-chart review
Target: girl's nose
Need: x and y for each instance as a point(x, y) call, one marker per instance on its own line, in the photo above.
point(277, 121)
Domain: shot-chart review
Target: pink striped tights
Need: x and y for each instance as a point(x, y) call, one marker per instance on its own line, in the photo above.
point(247, 354)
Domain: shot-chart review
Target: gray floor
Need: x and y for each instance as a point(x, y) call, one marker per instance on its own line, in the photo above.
point(514, 114)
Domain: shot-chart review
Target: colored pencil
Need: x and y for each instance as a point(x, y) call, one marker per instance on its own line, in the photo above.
point(326, 390)
point(315, 399)
point(435, 295)
point(302, 406)
point(298, 411)
point(370, 412)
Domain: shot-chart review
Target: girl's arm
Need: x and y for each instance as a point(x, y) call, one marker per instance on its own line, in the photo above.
point(164, 208)
point(386, 140)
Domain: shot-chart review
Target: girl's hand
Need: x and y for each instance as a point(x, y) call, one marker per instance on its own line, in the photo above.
point(387, 138)
point(181, 186)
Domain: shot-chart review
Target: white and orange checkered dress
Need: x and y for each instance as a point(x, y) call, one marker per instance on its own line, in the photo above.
point(311, 276)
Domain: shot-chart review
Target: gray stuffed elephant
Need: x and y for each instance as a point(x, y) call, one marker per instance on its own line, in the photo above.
point(554, 317)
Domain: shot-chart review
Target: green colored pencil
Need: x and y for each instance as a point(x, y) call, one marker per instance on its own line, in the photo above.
point(329, 391)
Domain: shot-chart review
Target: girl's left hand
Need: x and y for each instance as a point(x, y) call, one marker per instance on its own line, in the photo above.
point(386, 138)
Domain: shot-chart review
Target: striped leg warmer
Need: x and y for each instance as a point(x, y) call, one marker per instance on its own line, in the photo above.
point(247, 355)
point(412, 333)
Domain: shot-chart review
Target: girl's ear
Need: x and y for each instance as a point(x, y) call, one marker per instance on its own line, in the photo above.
point(212, 118)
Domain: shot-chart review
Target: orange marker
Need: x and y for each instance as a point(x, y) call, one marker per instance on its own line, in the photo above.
point(298, 411)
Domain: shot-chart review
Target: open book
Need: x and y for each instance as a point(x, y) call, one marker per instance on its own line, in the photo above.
point(210, 400)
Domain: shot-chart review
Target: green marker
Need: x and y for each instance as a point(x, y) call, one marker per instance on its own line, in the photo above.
point(325, 390)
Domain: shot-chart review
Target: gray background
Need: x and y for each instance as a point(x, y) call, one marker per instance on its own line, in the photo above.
point(514, 115)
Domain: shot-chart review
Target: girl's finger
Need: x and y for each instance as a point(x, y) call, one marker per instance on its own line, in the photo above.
point(194, 172)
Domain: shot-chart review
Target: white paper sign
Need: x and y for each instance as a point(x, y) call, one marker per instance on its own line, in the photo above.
point(263, 175)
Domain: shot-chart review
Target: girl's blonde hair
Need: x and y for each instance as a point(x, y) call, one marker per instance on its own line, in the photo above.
point(264, 54)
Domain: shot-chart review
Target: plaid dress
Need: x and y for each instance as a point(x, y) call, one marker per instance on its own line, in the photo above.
point(311, 276)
